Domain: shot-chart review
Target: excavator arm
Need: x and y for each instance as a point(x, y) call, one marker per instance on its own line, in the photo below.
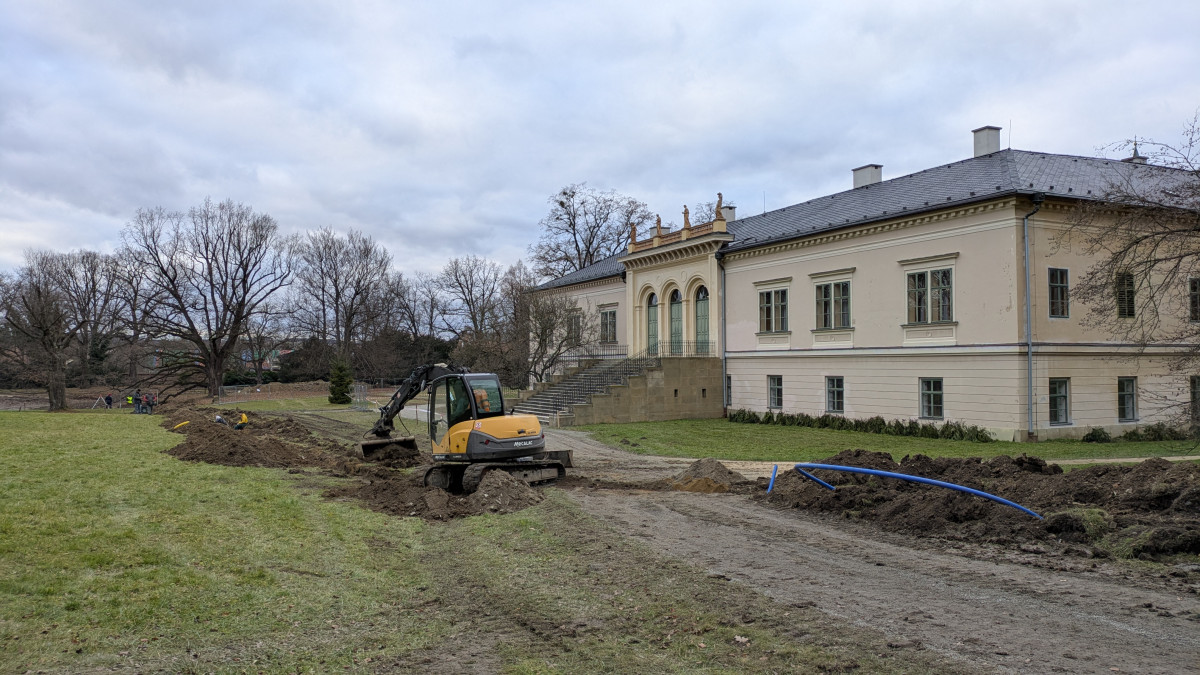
point(413, 385)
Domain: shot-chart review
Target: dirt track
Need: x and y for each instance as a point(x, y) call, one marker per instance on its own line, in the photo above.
point(1019, 609)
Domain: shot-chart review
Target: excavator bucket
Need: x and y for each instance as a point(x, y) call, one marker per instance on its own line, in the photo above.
point(381, 449)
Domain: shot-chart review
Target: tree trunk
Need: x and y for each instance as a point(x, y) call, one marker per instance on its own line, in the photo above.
point(214, 374)
point(56, 386)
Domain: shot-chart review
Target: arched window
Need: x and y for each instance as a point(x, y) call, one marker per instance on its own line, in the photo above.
point(676, 323)
point(702, 345)
point(652, 324)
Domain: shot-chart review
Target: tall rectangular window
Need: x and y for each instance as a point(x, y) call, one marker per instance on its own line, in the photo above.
point(1060, 400)
point(1059, 299)
point(931, 397)
point(833, 305)
point(775, 391)
point(772, 311)
point(574, 327)
point(1194, 299)
point(931, 296)
point(835, 395)
point(1126, 292)
point(1127, 399)
point(608, 325)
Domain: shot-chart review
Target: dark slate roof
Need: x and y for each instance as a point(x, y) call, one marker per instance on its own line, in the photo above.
point(1003, 173)
point(609, 267)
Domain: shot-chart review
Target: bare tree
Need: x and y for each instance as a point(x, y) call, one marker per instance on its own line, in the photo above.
point(266, 330)
point(420, 303)
point(540, 328)
point(341, 285)
point(135, 304)
point(90, 283)
point(1144, 236)
point(585, 225)
point(37, 305)
point(212, 268)
point(472, 287)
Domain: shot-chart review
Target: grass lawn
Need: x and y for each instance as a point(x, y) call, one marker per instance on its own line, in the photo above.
point(116, 555)
point(722, 439)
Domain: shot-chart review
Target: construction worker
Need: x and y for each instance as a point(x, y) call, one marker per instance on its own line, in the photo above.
point(137, 402)
point(242, 422)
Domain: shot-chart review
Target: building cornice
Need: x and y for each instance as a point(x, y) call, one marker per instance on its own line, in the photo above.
point(590, 283)
point(705, 245)
point(852, 232)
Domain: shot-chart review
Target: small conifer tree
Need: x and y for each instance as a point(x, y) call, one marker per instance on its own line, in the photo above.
point(340, 381)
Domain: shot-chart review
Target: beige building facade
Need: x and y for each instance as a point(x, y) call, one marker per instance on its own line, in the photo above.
point(904, 299)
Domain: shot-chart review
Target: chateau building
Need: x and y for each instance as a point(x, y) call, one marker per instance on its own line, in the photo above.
point(904, 298)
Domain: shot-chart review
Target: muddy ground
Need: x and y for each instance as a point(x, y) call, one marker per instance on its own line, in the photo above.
point(1107, 582)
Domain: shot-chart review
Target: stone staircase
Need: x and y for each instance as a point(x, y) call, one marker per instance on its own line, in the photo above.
point(555, 399)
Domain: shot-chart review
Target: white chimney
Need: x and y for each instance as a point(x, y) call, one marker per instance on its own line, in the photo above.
point(987, 140)
point(729, 212)
point(867, 174)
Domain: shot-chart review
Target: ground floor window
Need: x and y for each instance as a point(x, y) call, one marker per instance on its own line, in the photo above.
point(835, 394)
point(1060, 400)
point(775, 391)
point(931, 397)
point(1127, 399)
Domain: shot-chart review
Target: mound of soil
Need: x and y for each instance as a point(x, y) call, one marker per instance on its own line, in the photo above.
point(266, 441)
point(403, 495)
point(1149, 510)
point(706, 475)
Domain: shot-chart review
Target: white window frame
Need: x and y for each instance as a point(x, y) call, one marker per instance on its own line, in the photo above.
point(1065, 395)
point(1066, 292)
point(1127, 400)
point(774, 392)
point(839, 390)
point(939, 392)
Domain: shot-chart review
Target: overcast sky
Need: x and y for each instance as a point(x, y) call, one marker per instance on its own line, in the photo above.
point(441, 128)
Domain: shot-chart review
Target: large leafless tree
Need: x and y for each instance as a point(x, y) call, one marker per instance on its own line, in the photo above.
point(471, 286)
point(47, 304)
point(342, 286)
point(211, 269)
point(585, 225)
point(1144, 235)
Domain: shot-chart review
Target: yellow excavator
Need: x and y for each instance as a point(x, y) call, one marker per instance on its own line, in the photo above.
point(469, 431)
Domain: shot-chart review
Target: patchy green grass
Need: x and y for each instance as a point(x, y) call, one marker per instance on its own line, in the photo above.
point(722, 439)
point(114, 555)
point(284, 404)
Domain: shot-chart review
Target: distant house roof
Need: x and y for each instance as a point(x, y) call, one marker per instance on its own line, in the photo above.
point(1003, 173)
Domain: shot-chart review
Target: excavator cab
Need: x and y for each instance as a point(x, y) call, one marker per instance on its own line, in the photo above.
point(467, 421)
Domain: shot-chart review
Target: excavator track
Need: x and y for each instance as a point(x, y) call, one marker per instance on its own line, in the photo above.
point(533, 473)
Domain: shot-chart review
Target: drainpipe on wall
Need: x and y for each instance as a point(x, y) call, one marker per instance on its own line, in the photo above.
point(1030, 435)
point(720, 256)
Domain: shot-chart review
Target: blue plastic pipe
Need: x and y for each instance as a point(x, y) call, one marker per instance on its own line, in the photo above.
point(903, 476)
point(773, 472)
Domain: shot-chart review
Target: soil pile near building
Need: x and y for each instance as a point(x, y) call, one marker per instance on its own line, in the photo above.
point(709, 476)
point(1148, 511)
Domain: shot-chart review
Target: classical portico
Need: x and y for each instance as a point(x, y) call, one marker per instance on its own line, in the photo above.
point(673, 285)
